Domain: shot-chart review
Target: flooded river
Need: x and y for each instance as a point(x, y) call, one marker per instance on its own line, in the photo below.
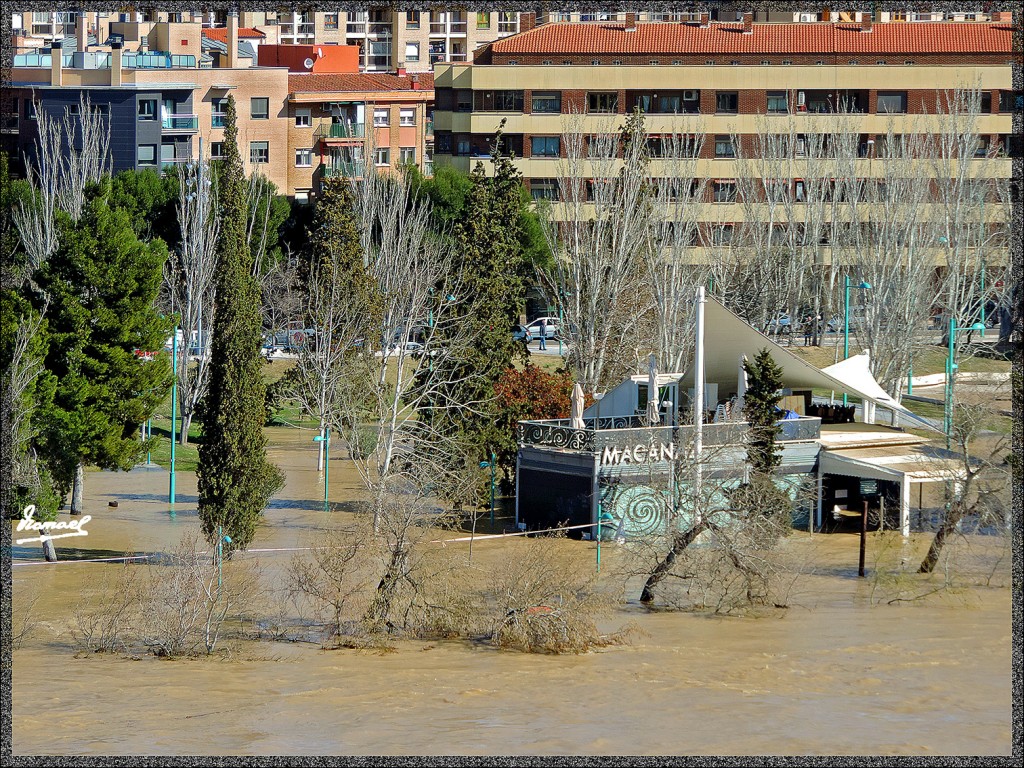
point(837, 673)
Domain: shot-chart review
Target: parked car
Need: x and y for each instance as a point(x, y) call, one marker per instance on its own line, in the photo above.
point(550, 332)
point(522, 333)
point(780, 325)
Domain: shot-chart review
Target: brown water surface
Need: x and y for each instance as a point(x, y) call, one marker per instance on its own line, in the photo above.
point(835, 674)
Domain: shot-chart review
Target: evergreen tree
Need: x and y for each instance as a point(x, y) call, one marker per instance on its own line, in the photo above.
point(99, 290)
point(235, 479)
point(488, 238)
point(760, 406)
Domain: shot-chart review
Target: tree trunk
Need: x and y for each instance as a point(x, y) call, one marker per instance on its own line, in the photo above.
point(945, 531)
point(77, 489)
point(662, 569)
point(49, 551)
point(186, 423)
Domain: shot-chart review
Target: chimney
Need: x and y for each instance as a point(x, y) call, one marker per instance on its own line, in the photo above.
point(865, 22)
point(1003, 16)
point(705, 20)
point(82, 32)
point(115, 63)
point(232, 39)
point(415, 81)
point(527, 21)
point(631, 22)
point(748, 23)
point(400, 69)
point(56, 62)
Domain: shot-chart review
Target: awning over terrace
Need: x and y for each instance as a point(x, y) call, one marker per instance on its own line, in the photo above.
point(922, 463)
point(728, 337)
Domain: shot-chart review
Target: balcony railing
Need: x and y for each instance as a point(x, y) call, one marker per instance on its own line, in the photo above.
point(217, 119)
point(383, 30)
point(158, 60)
point(340, 131)
point(631, 430)
point(429, 128)
point(181, 123)
point(336, 169)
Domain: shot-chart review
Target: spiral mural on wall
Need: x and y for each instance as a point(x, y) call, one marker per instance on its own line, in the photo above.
point(639, 511)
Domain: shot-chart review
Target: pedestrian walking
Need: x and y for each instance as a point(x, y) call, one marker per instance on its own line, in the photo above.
point(543, 335)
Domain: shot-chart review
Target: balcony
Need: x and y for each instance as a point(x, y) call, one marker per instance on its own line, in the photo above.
point(217, 119)
point(338, 169)
point(181, 123)
point(428, 129)
point(380, 30)
point(158, 60)
point(339, 131)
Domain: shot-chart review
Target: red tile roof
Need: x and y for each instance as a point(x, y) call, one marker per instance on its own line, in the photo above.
point(840, 38)
point(357, 82)
point(220, 34)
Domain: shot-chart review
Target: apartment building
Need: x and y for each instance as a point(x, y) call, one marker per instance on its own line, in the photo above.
point(718, 80)
point(335, 119)
point(165, 107)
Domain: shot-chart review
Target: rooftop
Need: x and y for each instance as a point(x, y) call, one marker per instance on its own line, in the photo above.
point(220, 34)
point(820, 38)
point(361, 82)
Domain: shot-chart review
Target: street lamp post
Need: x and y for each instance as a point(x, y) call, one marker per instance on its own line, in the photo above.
point(221, 538)
point(174, 407)
point(846, 317)
point(947, 410)
point(326, 440)
point(485, 465)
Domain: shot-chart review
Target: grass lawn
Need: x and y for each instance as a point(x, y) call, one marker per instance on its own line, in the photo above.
point(927, 360)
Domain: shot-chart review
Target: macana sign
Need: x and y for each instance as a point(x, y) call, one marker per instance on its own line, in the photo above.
point(642, 453)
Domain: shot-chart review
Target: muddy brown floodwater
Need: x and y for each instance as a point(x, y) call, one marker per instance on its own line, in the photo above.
point(837, 673)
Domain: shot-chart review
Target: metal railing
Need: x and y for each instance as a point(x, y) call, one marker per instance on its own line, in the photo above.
point(340, 131)
point(629, 430)
point(217, 119)
point(181, 123)
point(334, 170)
point(158, 60)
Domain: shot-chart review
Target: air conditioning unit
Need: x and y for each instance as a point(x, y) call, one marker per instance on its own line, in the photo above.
point(691, 95)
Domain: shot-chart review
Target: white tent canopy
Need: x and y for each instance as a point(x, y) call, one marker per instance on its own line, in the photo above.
point(728, 337)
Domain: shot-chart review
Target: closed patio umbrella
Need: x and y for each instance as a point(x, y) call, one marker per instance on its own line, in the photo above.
point(653, 399)
point(576, 416)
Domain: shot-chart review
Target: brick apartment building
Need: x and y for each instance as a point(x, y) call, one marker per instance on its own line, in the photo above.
point(719, 80)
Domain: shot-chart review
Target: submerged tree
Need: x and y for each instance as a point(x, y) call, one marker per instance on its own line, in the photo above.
point(235, 478)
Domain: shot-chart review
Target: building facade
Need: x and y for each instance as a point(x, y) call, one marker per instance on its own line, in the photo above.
point(724, 83)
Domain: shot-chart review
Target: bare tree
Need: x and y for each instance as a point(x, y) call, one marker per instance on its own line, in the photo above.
point(190, 281)
point(597, 234)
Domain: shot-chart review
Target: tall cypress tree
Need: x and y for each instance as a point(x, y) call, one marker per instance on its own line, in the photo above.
point(235, 478)
point(760, 402)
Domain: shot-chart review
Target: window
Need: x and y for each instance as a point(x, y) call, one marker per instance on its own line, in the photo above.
point(303, 158)
point(547, 101)
point(219, 108)
point(981, 149)
point(853, 62)
point(330, 21)
point(595, 62)
point(217, 150)
point(259, 108)
point(799, 191)
point(382, 117)
point(778, 103)
point(146, 154)
point(544, 146)
point(544, 189)
point(765, 63)
point(909, 62)
point(483, 21)
point(302, 118)
point(30, 109)
point(498, 101)
point(147, 109)
point(787, 62)
point(891, 102)
point(412, 19)
point(725, 191)
point(464, 101)
point(724, 147)
point(546, 62)
point(382, 156)
point(1010, 101)
point(721, 234)
point(508, 23)
point(259, 152)
point(407, 155)
point(676, 62)
point(407, 117)
point(603, 102)
point(412, 52)
point(986, 103)
point(727, 101)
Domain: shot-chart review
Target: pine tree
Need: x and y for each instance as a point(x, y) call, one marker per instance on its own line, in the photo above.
point(760, 403)
point(235, 479)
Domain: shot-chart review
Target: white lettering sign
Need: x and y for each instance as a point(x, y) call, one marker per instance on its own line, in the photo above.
point(638, 454)
point(27, 523)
